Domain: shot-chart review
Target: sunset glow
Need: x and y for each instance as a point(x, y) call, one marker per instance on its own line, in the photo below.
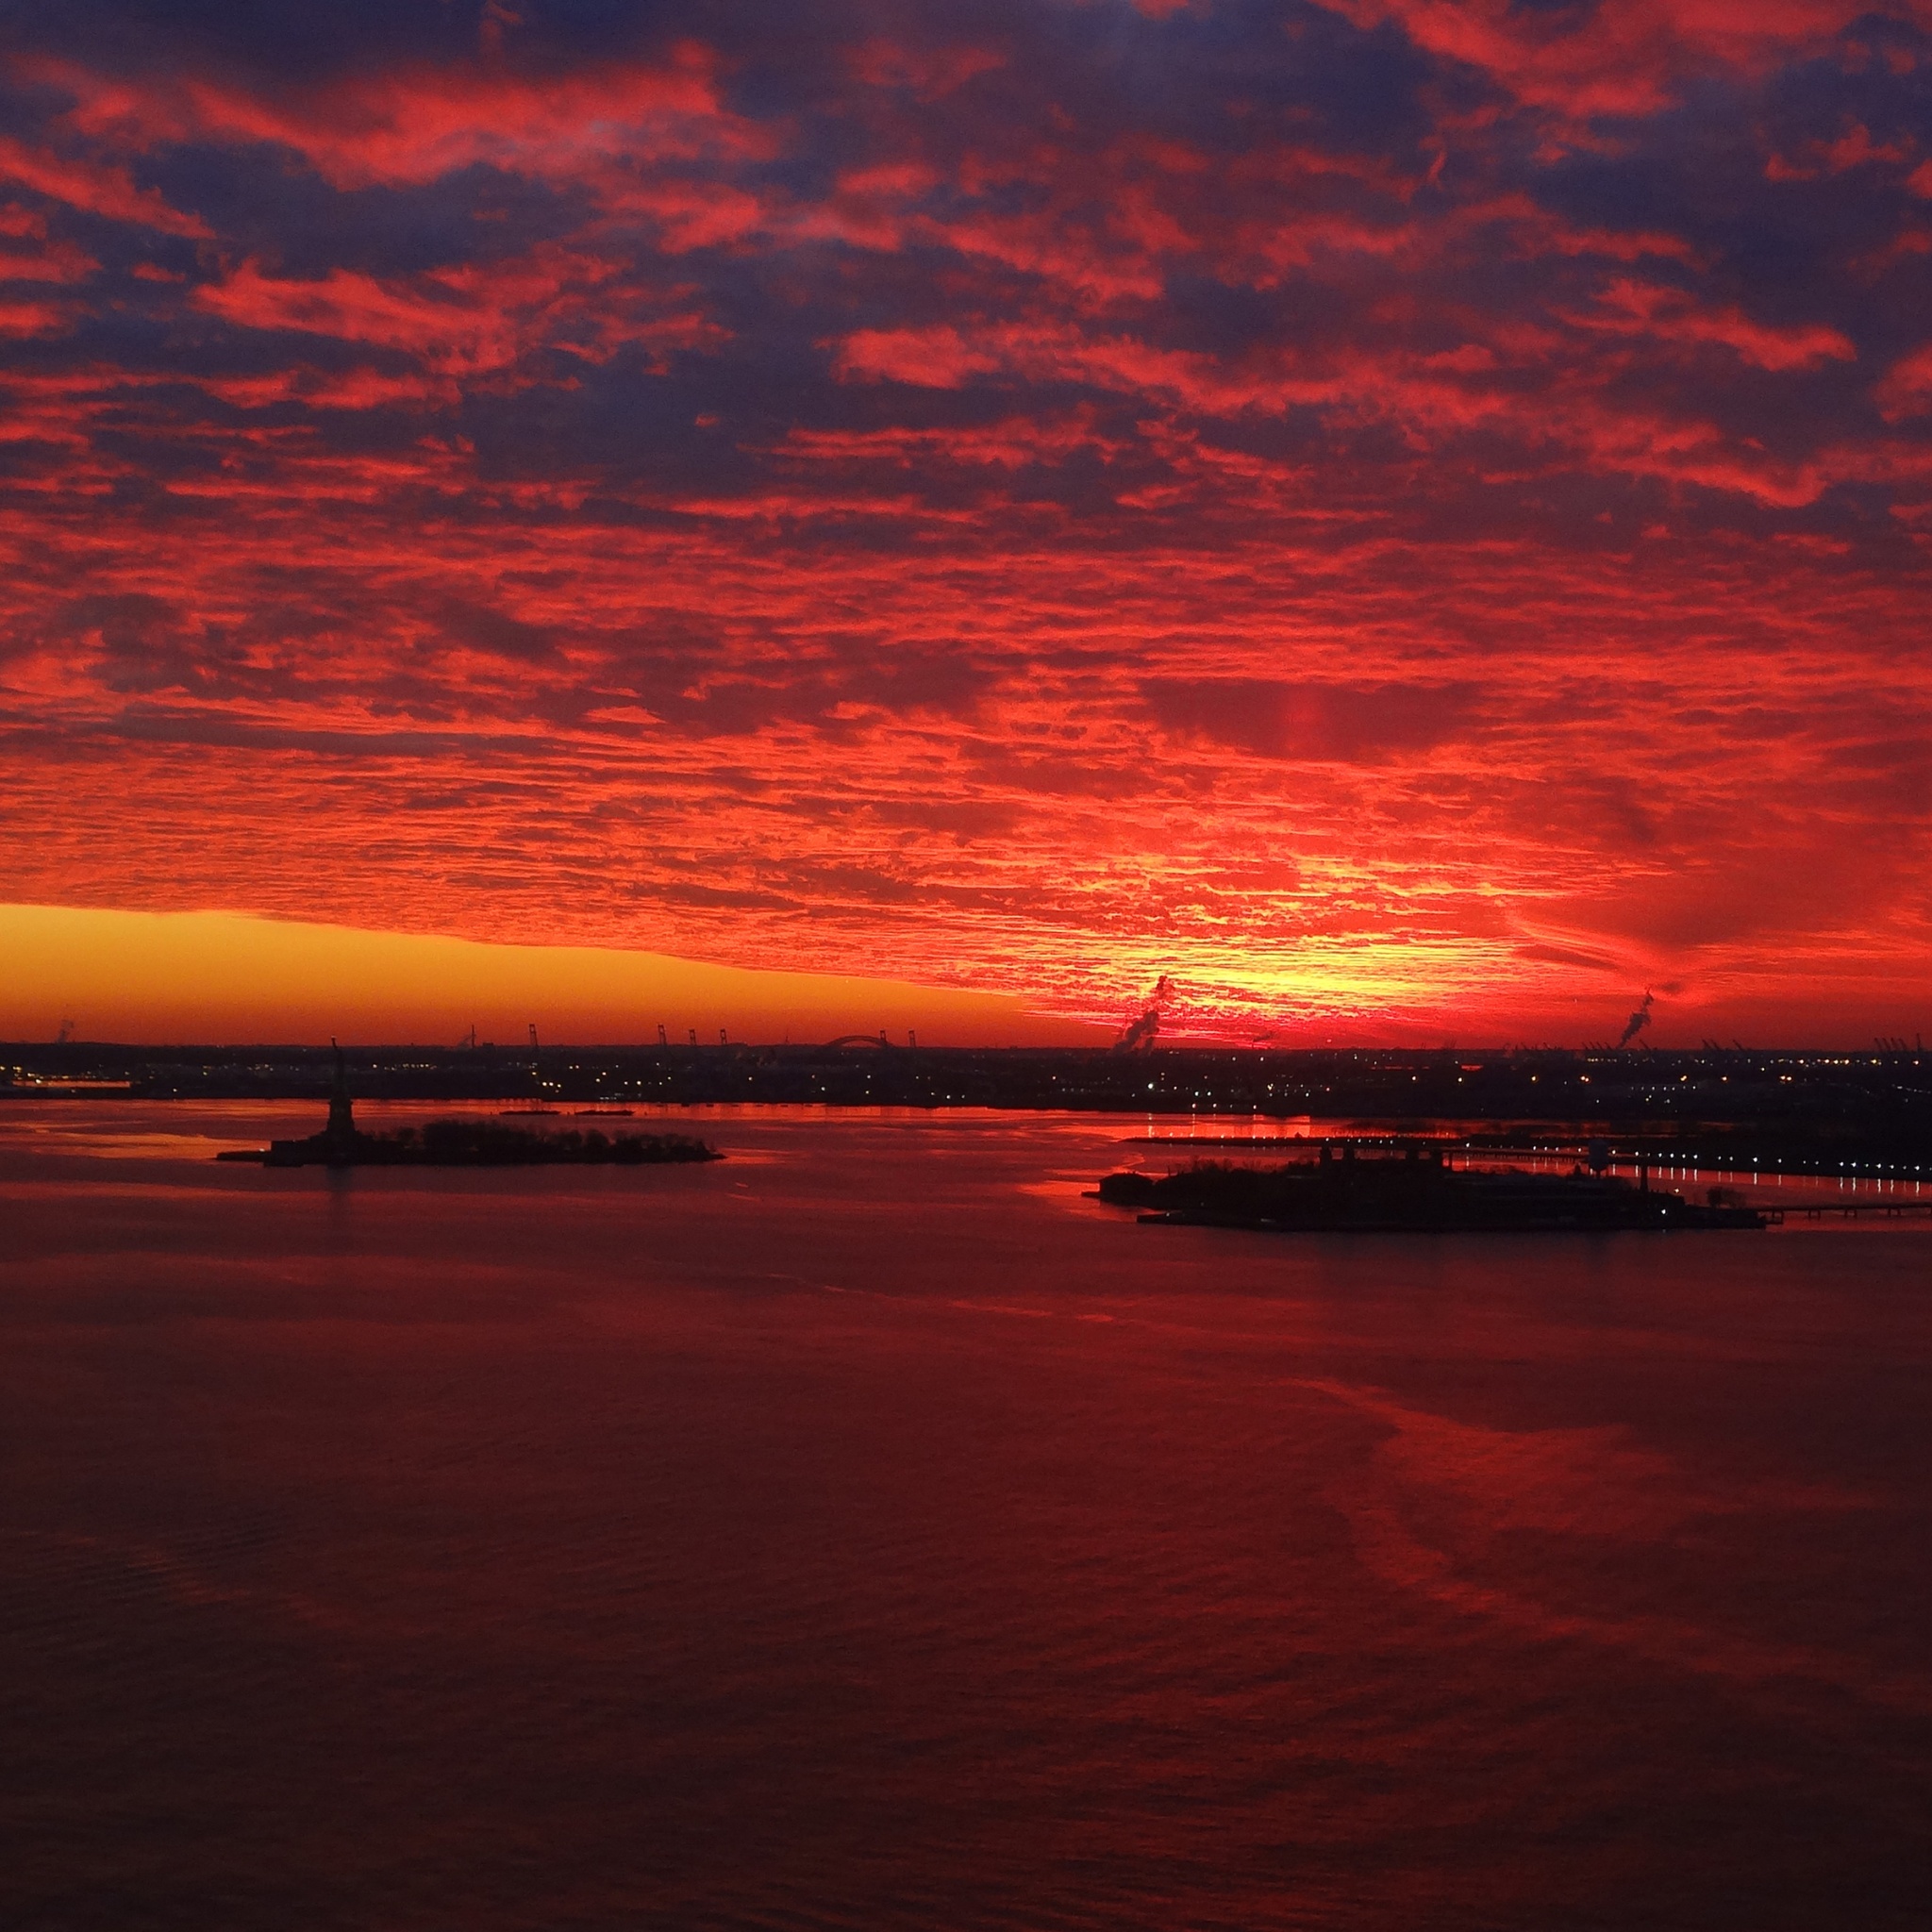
point(204, 976)
point(1410, 518)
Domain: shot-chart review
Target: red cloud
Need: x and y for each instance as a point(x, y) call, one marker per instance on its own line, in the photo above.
point(1616, 56)
point(468, 320)
point(1853, 149)
point(417, 127)
point(931, 358)
point(929, 73)
point(32, 318)
point(1669, 315)
point(355, 389)
point(449, 334)
point(97, 188)
point(27, 254)
point(1906, 389)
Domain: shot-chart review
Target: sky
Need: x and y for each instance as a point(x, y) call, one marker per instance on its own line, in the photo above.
point(1408, 517)
point(222, 977)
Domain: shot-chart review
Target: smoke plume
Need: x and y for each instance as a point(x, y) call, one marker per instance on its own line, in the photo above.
point(1637, 1022)
point(1138, 1034)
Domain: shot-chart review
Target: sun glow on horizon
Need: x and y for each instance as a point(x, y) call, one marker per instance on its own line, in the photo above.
point(214, 977)
point(218, 977)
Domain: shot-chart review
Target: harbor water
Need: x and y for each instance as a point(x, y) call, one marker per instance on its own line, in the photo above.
point(871, 1530)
